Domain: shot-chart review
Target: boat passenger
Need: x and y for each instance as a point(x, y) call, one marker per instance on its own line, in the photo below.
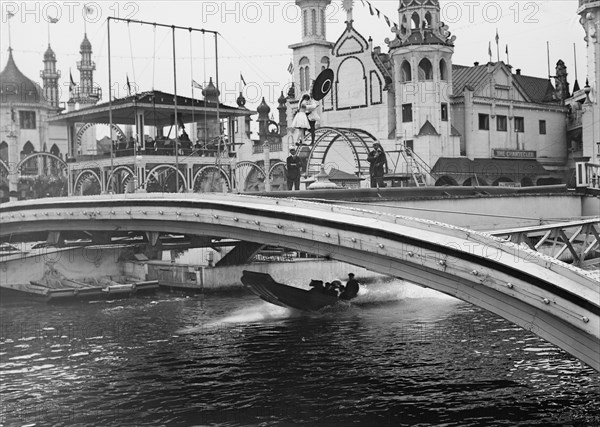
point(334, 289)
point(352, 287)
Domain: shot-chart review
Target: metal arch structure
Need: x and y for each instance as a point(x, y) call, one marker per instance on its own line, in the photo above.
point(219, 169)
point(357, 139)
point(61, 163)
point(241, 179)
point(87, 126)
point(4, 166)
point(112, 174)
point(554, 300)
point(153, 173)
point(85, 173)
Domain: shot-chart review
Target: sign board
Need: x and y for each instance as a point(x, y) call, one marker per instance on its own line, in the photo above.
point(513, 154)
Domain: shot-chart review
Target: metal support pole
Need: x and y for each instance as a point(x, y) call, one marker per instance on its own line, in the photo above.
point(110, 117)
point(176, 118)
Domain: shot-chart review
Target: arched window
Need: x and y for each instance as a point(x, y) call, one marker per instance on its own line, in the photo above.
point(305, 23)
point(323, 22)
point(55, 150)
point(425, 70)
point(304, 74)
point(406, 72)
point(427, 23)
point(4, 151)
point(443, 70)
point(28, 148)
point(324, 63)
point(314, 22)
point(404, 26)
point(415, 20)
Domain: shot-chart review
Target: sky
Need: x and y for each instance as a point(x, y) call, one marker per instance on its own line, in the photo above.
point(254, 37)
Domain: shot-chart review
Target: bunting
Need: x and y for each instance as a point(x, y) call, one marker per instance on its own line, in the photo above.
point(71, 83)
point(196, 85)
point(374, 11)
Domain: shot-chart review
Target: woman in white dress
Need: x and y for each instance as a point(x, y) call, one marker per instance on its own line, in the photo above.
point(300, 121)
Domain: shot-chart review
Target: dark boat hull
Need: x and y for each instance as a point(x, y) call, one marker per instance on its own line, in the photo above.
point(276, 293)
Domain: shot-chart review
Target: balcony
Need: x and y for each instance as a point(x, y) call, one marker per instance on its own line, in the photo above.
point(273, 148)
point(80, 95)
point(50, 75)
point(86, 66)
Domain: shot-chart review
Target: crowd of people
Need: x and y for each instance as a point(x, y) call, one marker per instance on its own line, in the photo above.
point(336, 289)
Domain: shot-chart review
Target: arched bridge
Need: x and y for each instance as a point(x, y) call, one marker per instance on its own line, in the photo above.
point(556, 301)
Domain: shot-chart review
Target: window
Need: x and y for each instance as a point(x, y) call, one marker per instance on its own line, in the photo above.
point(305, 23)
point(519, 124)
point(304, 74)
point(406, 72)
point(542, 127)
point(444, 112)
point(501, 123)
point(425, 70)
point(27, 119)
point(314, 22)
point(484, 122)
point(443, 70)
point(409, 145)
point(406, 113)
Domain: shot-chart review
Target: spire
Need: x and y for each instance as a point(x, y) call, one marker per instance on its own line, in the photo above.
point(420, 24)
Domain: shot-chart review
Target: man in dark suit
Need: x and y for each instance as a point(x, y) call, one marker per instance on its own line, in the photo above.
point(293, 170)
point(351, 289)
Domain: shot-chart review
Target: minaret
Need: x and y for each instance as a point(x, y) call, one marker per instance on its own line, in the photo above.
point(590, 21)
point(312, 54)
point(282, 110)
point(422, 57)
point(50, 76)
point(86, 93)
point(263, 111)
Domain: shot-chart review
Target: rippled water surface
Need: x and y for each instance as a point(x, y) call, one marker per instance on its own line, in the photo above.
point(397, 359)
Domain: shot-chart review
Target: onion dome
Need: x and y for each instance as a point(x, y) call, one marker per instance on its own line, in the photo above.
point(210, 92)
point(85, 46)
point(16, 87)
point(49, 55)
point(241, 101)
point(263, 110)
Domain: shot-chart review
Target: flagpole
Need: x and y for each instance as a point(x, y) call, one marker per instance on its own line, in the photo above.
point(217, 80)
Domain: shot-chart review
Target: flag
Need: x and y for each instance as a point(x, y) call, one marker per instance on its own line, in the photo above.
point(291, 68)
point(128, 85)
point(52, 20)
point(497, 37)
point(371, 9)
point(490, 50)
point(242, 79)
point(71, 83)
point(363, 2)
point(377, 10)
point(387, 21)
point(196, 85)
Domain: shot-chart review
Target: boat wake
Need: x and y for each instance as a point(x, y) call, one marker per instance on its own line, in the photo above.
point(382, 292)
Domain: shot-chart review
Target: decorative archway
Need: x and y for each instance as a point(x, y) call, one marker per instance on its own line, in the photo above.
point(88, 183)
point(278, 176)
point(87, 126)
point(446, 181)
point(163, 179)
point(249, 177)
point(357, 139)
point(119, 180)
point(211, 179)
point(56, 167)
point(474, 181)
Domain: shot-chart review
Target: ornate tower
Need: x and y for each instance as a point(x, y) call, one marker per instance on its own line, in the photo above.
point(86, 93)
point(422, 61)
point(312, 54)
point(590, 20)
point(50, 76)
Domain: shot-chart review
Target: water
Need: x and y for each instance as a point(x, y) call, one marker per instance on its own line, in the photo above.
point(400, 358)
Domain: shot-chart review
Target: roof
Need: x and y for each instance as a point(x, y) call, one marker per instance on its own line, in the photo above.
point(463, 76)
point(427, 129)
point(338, 175)
point(535, 89)
point(510, 168)
point(16, 87)
point(158, 109)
